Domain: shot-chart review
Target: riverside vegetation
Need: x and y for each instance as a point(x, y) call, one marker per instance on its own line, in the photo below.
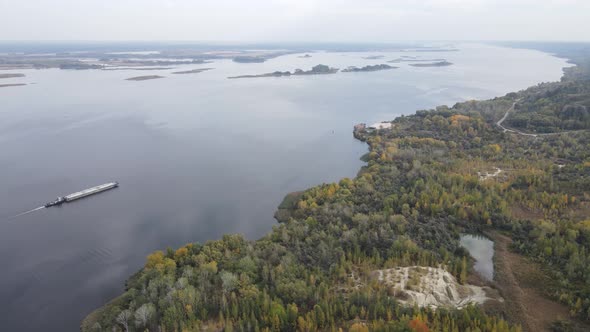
point(419, 190)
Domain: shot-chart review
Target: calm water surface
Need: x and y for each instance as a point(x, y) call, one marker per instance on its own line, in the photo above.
point(482, 249)
point(197, 156)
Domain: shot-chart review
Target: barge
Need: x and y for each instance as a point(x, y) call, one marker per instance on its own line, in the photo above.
point(81, 194)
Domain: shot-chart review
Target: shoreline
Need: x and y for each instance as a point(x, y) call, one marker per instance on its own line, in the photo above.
point(277, 210)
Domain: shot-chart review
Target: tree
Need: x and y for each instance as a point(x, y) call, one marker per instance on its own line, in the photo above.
point(359, 327)
point(463, 273)
point(417, 325)
point(144, 314)
point(123, 318)
point(229, 281)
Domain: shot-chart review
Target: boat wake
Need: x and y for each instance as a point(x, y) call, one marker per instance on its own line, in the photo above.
point(27, 212)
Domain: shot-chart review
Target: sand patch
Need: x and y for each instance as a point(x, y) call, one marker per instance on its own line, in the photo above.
point(429, 287)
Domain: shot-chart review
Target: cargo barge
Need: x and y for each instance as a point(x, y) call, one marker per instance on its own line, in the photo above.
point(81, 194)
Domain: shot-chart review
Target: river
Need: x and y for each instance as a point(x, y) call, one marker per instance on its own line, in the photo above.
point(196, 156)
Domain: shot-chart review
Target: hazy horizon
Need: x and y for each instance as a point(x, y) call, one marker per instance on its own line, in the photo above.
point(270, 21)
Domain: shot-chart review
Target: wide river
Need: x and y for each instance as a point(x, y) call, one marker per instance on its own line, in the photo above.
point(197, 156)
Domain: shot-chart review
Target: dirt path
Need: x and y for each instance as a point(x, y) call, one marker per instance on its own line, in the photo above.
point(499, 123)
point(516, 277)
point(508, 130)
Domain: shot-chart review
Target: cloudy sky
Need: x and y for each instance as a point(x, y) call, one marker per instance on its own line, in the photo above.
point(295, 20)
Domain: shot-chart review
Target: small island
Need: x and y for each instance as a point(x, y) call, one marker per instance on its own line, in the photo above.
point(432, 64)
point(249, 59)
point(368, 68)
point(144, 78)
point(138, 68)
point(373, 57)
point(193, 71)
point(316, 70)
point(15, 75)
point(304, 56)
point(431, 49)
point(414, 59)
point(160, 63)
point(9, 85)
point(79, 65)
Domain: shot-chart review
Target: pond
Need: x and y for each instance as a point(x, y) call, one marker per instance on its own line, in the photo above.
point(482, 249)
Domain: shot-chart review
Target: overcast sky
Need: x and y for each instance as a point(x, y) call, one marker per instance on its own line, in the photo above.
point(295, 20)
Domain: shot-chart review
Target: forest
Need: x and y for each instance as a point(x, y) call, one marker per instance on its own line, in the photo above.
point(422, 186)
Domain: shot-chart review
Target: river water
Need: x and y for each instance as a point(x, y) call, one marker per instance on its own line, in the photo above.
point(196, 155)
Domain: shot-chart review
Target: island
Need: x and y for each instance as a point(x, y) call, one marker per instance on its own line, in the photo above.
point(304, 56)
point(414, 59)
point(373, 57)
point(9, 85)
point(161, 62)
point(432, 64)
point(15, 75)
point(78, 65)
point(193, 71)
point(144, 78)
point(316, 70)
point(368, 68)
point(431, 49)
point(137, 68)
point(249, 59)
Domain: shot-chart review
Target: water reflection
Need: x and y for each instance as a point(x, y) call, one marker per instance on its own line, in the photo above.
point(482, 249)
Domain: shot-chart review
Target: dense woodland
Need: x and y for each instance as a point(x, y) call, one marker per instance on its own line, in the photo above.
point(421, 187)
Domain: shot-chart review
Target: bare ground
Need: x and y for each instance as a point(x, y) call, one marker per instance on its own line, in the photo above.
point(429, 287)
point(518, 281)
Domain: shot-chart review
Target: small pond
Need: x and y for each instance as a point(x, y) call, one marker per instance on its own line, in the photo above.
point(482, 249)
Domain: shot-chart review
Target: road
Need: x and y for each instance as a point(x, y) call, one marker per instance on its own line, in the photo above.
point(508, 130)
point(499, 123)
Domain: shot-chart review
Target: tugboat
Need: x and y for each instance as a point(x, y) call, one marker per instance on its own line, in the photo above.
point(58, 201)
point(81, 194)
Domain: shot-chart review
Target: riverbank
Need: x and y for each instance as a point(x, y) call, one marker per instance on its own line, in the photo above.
point(399, 211)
